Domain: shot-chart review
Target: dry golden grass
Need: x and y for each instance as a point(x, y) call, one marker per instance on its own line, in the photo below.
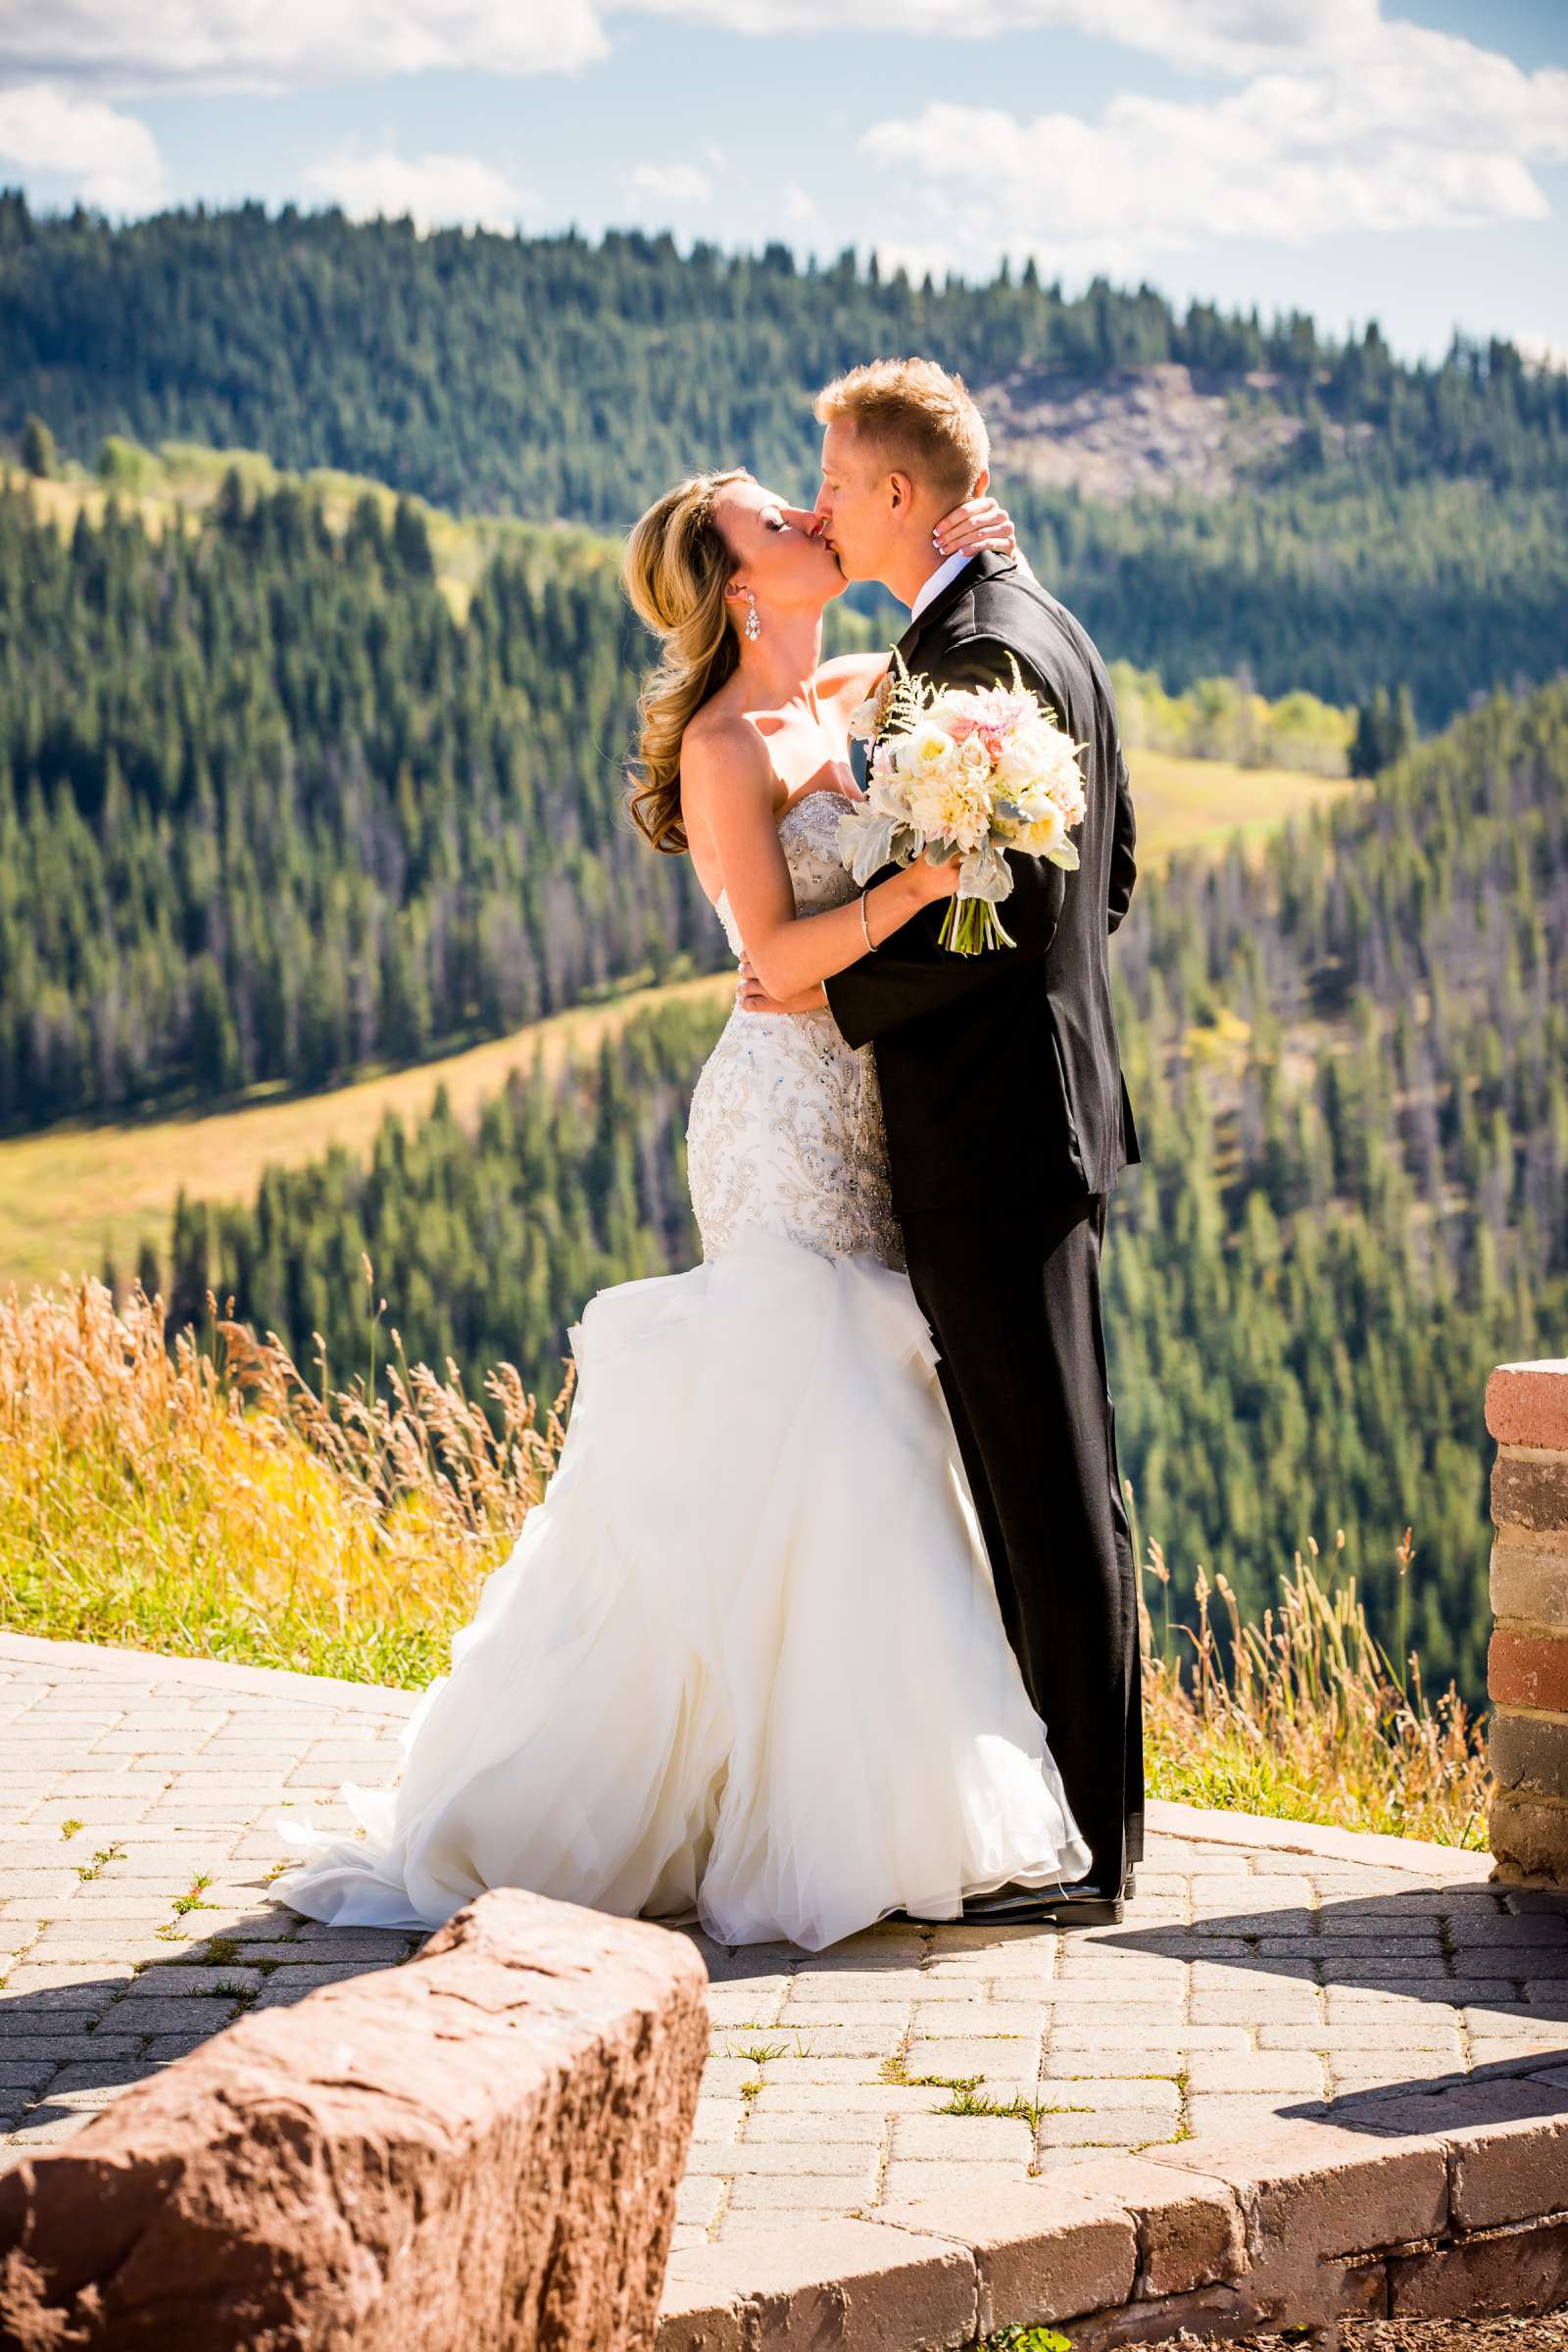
point(78, 1192)
point(1199, 804)
point(1308, 1719)
point(214, 1503)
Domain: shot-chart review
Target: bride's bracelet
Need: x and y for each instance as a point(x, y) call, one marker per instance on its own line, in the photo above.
point(865, 927)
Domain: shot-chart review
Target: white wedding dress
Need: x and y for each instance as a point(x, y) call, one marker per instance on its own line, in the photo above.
point(744, 1665)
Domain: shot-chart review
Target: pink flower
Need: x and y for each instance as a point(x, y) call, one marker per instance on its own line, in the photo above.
point(1001, 708)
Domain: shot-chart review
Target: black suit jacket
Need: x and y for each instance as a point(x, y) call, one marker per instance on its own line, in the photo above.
point(1001, 1075)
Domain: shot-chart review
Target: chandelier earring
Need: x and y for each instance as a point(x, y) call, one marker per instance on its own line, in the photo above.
point(753, 626)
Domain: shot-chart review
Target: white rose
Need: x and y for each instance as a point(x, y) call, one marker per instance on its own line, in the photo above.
point(1017, 766)
point(1040, 835)
point(926, 751)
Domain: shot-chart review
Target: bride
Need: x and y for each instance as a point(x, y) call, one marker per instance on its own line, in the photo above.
point(744, 1665)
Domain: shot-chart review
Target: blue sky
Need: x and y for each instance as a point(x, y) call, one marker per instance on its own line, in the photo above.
point(1347, 157)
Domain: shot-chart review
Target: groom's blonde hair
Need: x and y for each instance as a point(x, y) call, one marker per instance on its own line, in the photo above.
point(923, 417)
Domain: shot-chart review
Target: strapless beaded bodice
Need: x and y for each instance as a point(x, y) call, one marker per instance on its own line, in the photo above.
point(808, 836)
point(786, 1121)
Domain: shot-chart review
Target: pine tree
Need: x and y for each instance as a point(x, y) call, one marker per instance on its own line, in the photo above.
point(39, 457)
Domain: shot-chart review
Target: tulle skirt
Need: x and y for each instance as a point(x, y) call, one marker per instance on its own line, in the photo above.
point(744, 1665)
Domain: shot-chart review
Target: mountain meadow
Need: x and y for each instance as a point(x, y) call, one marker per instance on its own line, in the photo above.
point(316, 690)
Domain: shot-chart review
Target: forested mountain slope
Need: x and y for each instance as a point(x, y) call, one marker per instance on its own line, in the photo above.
point(1351, 1072)
point(271, 811)
point(1368, 524)
point(268, 810)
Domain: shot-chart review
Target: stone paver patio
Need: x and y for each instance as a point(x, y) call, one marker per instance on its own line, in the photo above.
point(1263, 1970)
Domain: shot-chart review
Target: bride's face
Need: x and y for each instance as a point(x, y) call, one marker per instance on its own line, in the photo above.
point(779, 553)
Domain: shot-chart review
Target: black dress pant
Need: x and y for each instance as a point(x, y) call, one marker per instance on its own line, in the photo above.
point(1014, 1303)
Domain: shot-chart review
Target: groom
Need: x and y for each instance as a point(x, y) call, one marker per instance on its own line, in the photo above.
point(1008, 1117)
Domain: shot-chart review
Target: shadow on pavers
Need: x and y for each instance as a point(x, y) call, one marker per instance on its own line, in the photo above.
point(65, 2049)
point(1493, 1951)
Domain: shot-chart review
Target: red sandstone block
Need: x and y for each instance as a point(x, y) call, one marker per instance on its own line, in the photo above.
point(696, 2316)
point(1209, 2314)
point(819, 2283)
point(1530, 1491)
point(1190, 2228)
point(1507, 2144)
point(1258, 2305)
point(1042, 2252)
point(1527, 1837)
point(1311, 2192)
point(1513, 2173)
point(1528, 1752)
point(1520, 2271)
point(1528, 1580)
point(481, 2148)
point(1527, 1405)
point(1527, 1670)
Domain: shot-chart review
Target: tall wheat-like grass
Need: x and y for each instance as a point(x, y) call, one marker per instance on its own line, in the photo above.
point(211, 1500)
point(1306, 1718)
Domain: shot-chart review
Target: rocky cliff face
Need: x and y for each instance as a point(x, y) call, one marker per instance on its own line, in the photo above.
point(1149, 431)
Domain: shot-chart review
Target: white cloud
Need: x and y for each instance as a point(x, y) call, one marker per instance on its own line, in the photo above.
point(435, 191)
point(800, 210)
point(1394, 127)
point(1334, 117)
point(296, 43)
point(110, 158)
point(1540, 351)
point(670, 183)
point(228, 44)
point(1225, 35)
point(290, 44)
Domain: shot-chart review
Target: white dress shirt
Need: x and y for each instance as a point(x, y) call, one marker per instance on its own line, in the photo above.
point(938, 579)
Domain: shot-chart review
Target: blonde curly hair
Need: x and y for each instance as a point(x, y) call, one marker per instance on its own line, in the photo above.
point(676, 570)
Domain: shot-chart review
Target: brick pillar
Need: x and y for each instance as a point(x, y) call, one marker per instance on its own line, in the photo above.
point(1527, 1664)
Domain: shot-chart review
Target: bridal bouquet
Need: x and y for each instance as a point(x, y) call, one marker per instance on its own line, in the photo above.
point(965, 773)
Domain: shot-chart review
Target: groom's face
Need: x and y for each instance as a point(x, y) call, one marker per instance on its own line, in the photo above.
point(860, 502)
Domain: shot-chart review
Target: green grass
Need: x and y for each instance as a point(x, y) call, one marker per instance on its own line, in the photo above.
point(94, 1868)
point(1024, 2339)
point(897, 2071)
point(142, 1505)
point(1019, 2108)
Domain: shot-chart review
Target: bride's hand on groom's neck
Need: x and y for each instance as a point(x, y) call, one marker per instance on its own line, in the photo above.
point(978, 526)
